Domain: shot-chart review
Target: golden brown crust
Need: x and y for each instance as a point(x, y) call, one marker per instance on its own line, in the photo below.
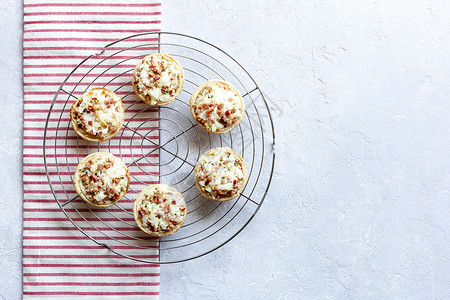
point(241, 186)
point(82, 133)
point(138, 202)
point(77, 179)
point(177, 91)
point(241, 107)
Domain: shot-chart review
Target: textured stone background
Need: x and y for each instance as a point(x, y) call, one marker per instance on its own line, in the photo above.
point(359, 206)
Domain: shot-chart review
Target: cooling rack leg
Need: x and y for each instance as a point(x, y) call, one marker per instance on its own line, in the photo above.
point(159, 42)
point(159, 249)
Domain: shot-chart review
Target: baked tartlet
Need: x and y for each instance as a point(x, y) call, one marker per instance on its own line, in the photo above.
point(220, 174)
point(97, 115)
point(217, 106)
point(159, 210)
point(158, 79)
point(101, 179)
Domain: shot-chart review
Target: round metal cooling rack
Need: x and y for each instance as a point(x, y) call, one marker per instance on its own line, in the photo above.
point(160, 145)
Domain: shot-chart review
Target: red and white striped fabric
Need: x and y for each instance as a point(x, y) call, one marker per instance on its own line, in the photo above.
point(58, 260)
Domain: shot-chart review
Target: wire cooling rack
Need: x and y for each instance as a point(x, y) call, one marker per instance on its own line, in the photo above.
point(160, 145)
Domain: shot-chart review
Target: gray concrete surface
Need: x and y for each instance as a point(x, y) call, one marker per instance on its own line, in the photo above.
point(359, 206)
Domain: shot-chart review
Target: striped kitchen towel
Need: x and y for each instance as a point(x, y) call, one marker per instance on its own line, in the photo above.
point(60, 260)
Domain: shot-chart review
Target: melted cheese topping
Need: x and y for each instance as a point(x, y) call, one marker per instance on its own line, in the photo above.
point(161, 210)
point(157, 79)
point(104, 180)
point(218, 107)
point(99, 113)
point(220, 173)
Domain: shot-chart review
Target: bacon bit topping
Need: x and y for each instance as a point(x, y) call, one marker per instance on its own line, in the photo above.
point(220, 173)
point(161, 210)
point(102, 186)
point(98, 114)
point(217, 107)
point(113, 128)
point(157, 79)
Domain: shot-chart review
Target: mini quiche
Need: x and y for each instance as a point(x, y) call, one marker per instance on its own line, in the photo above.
point(217, 106)
point(101, 179)
point(220, 174)
point(97, 115)
point(158, 79)
point(159, 210)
